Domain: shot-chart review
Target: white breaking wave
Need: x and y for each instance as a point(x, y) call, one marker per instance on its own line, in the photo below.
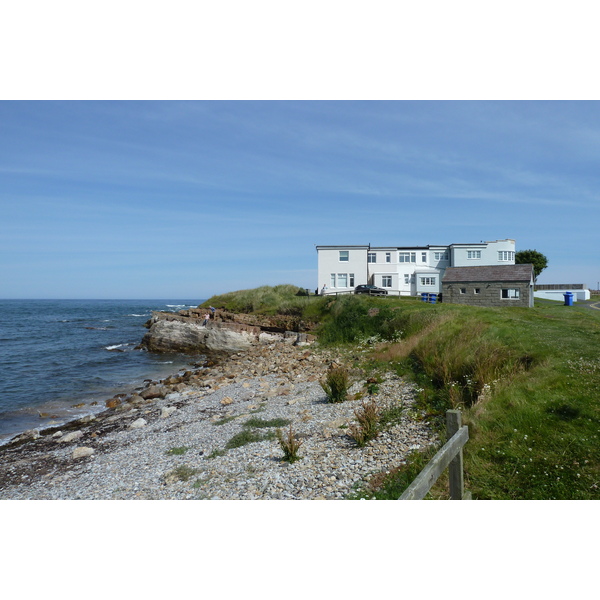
point(114, 347)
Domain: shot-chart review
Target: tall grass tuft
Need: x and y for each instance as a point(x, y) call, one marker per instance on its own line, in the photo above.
point(336, 384)
point(368, 423)
point(289, 444)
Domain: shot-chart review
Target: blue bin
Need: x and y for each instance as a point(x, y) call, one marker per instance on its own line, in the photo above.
point(432, 298)
point(424, 297)
point(568, 298)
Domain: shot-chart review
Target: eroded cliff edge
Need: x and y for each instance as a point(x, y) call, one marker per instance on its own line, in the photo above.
point(225, 333)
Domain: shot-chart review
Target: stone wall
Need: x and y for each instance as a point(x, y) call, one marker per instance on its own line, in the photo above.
point(489, 293)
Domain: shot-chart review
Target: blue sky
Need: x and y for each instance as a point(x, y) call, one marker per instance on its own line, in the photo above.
point(185, 199)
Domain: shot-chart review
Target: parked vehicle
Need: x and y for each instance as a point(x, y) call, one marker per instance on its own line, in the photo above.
point(372, 290)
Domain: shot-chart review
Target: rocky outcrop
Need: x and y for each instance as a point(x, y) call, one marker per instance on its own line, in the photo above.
point(270, 323)
point(185, 333)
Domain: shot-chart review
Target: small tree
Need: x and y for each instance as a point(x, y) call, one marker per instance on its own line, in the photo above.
point(532, 257)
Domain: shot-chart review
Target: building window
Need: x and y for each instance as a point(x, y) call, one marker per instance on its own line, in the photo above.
point(440, 255)
point(386, 281)
point(506, 255)
point(427, 280)
point(477, 291)
point(510, 294)
point(405, 257)
point(372, 257)
point(388, 257)
point(424, 257)
point(344, 255)
point(406, 278)
point(342, 280)
point(332, 280)
point(463, 290)
point(474, 254)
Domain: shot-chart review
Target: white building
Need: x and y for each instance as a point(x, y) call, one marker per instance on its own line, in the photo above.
point(404, 271)
point(557, 291)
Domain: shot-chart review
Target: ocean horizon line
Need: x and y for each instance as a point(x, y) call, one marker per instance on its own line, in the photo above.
point(100, 299)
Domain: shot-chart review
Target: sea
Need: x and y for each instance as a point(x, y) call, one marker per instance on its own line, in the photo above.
point(62, 359)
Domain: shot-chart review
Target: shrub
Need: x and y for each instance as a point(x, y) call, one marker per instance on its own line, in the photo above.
point(347, 321)
point(289, 444)
point(368, 423)
point(351, 319)
point(336, 384)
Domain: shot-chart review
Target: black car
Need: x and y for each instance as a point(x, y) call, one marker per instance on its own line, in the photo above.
point(372, 290)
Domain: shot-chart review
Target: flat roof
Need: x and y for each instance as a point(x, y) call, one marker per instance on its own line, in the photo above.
point(340, 247)
point(428, 247)
point(488, 273)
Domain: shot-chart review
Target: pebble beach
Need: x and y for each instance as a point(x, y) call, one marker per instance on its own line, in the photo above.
point(181, 444)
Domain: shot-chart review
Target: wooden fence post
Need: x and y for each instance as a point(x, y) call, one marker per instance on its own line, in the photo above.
point(456, 467)
point(449, 456)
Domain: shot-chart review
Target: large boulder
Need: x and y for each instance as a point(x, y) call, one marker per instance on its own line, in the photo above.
point(82, 452)
point(70, 437)
point(154, 391)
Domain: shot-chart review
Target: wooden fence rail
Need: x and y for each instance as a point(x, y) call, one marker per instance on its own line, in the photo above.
point(449, 456)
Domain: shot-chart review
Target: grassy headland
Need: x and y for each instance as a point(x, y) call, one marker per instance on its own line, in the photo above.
point(265, 300)
point(527, 380)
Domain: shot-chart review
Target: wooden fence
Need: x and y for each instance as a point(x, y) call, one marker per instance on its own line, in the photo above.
point(449, 456)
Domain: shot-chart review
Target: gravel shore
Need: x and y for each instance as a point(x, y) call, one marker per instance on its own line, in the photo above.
point(180, 446)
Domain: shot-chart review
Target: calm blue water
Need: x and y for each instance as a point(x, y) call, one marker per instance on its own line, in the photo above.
point(55, 354)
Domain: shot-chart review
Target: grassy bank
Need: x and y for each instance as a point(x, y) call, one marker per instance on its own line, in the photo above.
point(283, 299)
point(527, 381)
